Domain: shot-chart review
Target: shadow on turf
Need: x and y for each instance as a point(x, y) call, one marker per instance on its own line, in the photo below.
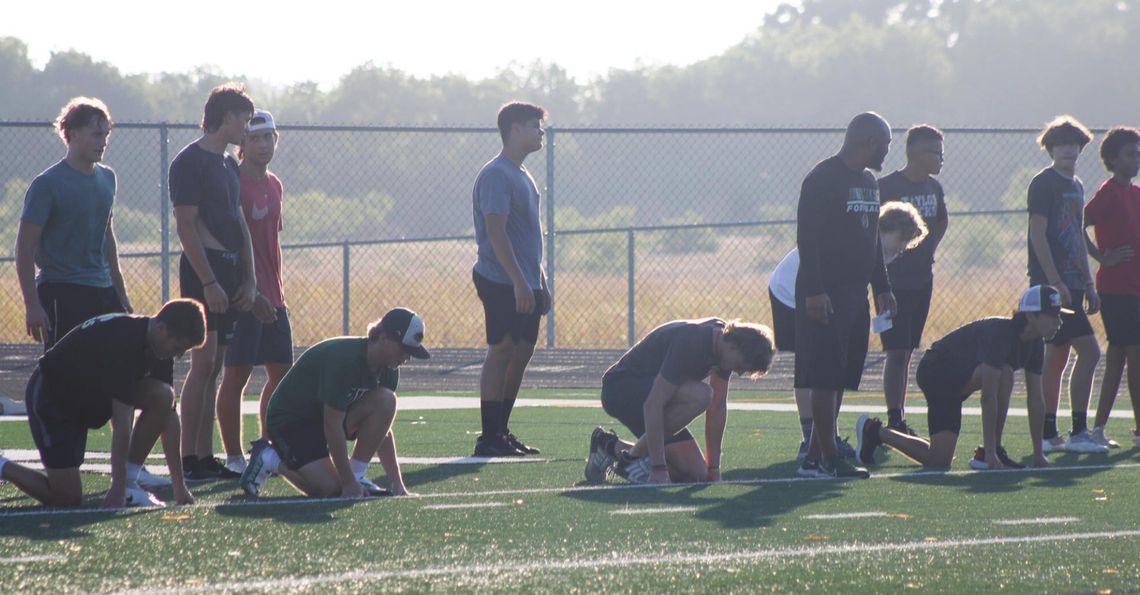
point(757, 506)
point(293, 511)
point(1059, 476)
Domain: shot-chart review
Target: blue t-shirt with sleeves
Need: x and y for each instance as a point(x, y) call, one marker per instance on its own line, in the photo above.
point(1061, 200)
point(504, 188)
point(73, 208)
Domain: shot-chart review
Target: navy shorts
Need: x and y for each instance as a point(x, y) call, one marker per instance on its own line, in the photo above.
point(60, 438)
point(69, 304)
point(1121, 316)
point(831, 356)
point(500, 315)
point(783, 324)
point(1073, 325)
point(943, 393)
point(913, 305)
point(623, 398)
point(228, 275)
point(256, 344)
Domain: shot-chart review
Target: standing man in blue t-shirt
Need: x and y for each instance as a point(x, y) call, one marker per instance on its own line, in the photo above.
point(508, 273)
point(66, 231)
point(216, 266)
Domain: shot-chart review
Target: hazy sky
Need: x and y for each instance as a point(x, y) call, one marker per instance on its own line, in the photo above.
point(288, 41)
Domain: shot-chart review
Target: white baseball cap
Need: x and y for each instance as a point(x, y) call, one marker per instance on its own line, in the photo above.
point(261, 120)
point(1042, 298)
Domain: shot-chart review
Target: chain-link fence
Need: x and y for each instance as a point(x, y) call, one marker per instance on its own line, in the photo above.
point(643, 225)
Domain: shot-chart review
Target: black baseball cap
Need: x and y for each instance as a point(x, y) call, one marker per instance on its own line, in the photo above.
point(408, 328)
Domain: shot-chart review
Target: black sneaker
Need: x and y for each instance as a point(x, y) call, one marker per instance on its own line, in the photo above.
point(1005, 460)
point(495, 446)
point(519, 446)
point(867, 439)
point(193, 470)
point(217, 468)
point(902, 427)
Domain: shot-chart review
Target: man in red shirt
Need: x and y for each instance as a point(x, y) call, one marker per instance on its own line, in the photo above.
point(1114, 214)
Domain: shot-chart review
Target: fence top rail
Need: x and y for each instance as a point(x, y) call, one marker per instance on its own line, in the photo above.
point(569, 129)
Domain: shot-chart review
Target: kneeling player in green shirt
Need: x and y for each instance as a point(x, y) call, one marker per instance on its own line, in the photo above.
point(338, 390)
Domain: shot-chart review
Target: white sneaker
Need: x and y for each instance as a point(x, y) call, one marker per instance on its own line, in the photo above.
point(1099, 437)
point(1054, 444)
point(237, 465)
point(371, 489)
point(151, 482)
point(138, 497)
point(1084, 443)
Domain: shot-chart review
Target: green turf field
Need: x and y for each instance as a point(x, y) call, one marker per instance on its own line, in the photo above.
point(532, 526)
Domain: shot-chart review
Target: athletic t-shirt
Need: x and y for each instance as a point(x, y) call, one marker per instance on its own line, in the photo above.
point(333, 372)
point(679, 351)
point(210, 182)
point(262, 207)
point(1061, 200)
point(914, 268)
point(1115, 213)
point(837, 230)
point(101, 360)
point(782, 282)
point(989, 341)
point(73, 208)
point(504, 188)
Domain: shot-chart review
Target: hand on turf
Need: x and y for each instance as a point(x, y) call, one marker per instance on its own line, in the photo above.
point(659, 476)
point(182, 496)
point(1041, 461)
point(524, 298)
point(37, 322)
point(264, 311)
point(885, 302)
point(1092, 300)
point(819, 307)
point(352, 490)
point(714, 475)
point(216, 300)
point(116, 497)
point(1115, 256)
point(399, 489)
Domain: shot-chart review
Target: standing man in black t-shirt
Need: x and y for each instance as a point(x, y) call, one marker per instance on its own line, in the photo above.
point(837, 233)
point(104, 370)
point(980, 356)
point(658, 387)
point(912, 273)
point(217, 262)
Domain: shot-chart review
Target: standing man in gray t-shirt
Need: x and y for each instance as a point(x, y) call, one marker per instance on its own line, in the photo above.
point(508, 274)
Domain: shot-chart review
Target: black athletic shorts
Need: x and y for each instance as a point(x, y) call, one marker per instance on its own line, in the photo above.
point(500, 315)
point(69, 304)
point(943, 392)
point(299, 442)
point(623, 398)
point(256, 343)
point(783, 324)
point(1121, 316)
point(61, 438)
point(1073, 325)
point(909, 320)
point(831, 356)
point(227, 272)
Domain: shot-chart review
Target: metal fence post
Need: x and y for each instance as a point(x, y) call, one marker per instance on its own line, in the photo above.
point(631, 267)
point(164, 211)
point(344, 289)
point(550, 235)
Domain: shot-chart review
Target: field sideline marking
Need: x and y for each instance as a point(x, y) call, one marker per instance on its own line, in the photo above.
point(1039, 521)
point(468, 505)
point(845, 515)
point(563, 490)
point(44, 558)
point(663, 510)
point(291, 584)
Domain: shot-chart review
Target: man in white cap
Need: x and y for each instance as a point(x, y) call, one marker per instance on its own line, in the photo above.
point(980, 356)
point(262, 335)
point(340, 389)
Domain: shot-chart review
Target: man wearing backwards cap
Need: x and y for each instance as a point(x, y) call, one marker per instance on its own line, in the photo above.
point(338, 390)
point(981, 355)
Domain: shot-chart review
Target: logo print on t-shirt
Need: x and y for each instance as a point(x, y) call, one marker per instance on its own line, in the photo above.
point(259, 214)
point(863, 201)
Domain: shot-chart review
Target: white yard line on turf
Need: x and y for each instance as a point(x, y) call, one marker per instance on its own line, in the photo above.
point(846, 515)
point(297, 583)
point(565, 490)
point(428, 403)
point(1042, 521)
point(470, 505)
point(29, 559)
point(664, 510)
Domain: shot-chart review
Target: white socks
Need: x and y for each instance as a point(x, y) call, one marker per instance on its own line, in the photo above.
point(133, 471)
point(359, 468)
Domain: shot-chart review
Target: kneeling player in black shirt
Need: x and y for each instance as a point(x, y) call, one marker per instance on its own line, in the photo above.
point(103, 370)
point(980, 356)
